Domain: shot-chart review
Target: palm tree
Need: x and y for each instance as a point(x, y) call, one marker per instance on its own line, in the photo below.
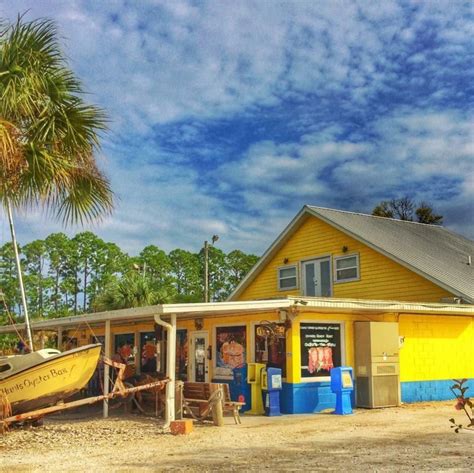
point(133, 290)
point(48, 133)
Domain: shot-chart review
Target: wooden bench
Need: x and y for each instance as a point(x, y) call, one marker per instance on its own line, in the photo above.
point(199, 398)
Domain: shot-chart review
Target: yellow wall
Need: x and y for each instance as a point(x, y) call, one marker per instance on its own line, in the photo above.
point(380, 277)
point(209, 325)
point(436, 347)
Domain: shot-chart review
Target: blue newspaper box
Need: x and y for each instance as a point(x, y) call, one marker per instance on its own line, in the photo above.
point(342, 385)
point(272, 384)
point(239, 388)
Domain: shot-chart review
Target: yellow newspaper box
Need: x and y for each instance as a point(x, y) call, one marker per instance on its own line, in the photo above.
point(254, 378)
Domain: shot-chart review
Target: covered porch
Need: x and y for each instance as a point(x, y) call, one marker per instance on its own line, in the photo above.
point(203, 342)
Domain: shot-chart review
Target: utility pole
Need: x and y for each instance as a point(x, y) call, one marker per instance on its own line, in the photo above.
point(206, 266)
point(206, 271)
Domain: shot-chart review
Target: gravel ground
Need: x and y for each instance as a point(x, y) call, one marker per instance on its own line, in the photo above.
point(411, 437)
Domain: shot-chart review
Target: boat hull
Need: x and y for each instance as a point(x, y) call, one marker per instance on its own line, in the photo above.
point(52, 380)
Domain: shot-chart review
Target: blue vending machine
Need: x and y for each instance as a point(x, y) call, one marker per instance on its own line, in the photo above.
point(342, 385)
point(272, 385)
point(240, 388)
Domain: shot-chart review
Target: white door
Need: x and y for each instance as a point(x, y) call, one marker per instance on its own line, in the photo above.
point(198, 343)
point(317, 277)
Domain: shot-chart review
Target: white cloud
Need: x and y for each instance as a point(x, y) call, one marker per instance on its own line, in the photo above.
point(411, 153)
point(166, 61)
point(157, 63)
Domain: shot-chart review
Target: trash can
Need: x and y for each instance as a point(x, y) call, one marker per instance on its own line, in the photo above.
point(239, 388)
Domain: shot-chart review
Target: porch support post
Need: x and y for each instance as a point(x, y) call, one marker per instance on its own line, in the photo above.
point(136, 350)
point(170, 367)
point(171, 370)
point(108, 354)
point(60, 338)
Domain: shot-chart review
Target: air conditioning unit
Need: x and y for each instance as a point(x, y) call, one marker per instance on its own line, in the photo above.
point(377, 367)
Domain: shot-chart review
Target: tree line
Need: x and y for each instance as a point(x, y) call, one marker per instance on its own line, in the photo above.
point(405, 208)
point(68, 276)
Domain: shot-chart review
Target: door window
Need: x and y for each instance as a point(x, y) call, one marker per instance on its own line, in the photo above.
point(200, 359)
point(317, 277)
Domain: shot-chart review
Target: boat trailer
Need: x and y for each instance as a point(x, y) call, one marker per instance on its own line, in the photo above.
point(119, 390)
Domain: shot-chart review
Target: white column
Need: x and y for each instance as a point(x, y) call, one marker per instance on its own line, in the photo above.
point(171, 370)
point(170, 367)
point(108, 354)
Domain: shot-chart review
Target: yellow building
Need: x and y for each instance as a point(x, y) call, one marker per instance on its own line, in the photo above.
point(331, 254)
point(300, 309)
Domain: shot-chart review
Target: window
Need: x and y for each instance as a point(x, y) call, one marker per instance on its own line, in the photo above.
point(287, 278)
point(124, 344)
point(270, 345)
point(347, 268)
point(148, 352)
point(321, 349)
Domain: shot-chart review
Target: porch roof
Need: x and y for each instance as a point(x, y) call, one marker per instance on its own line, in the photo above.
point(227, 309)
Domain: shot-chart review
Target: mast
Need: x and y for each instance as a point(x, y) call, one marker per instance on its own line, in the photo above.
point(20, 277)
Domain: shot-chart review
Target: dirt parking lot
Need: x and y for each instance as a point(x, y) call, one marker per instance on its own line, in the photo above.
point(411, 437)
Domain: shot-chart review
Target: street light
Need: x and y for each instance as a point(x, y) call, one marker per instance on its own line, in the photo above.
point(206, 266)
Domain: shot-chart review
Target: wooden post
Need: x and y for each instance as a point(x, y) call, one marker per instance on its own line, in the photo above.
point(137, 358)
point(178, 400)
point(60, 338)
point(108, 349)
point(217, 409)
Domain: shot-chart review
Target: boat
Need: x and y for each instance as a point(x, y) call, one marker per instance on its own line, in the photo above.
point(45, 377)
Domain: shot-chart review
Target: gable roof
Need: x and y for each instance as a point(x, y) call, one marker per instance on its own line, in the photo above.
point(431, 251)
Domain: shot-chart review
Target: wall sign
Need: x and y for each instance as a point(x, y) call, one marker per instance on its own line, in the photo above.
point(230, 350)
point(320, 348)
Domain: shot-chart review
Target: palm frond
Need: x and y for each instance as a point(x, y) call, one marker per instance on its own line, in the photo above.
point(48, 134)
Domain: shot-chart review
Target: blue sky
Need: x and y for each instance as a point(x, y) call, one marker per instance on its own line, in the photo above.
point(227, 117)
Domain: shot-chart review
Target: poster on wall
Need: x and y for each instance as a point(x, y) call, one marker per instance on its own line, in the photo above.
point(182, 354)
point(230, 350)
point(320, 348)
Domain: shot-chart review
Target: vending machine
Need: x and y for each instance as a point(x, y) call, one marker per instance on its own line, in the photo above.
point(272, 385)
point(342, 385)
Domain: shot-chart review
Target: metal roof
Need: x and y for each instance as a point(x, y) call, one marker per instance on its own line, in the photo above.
point(431, 251)
point(241, 308)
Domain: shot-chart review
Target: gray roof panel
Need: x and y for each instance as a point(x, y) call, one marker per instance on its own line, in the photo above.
point(430, 250)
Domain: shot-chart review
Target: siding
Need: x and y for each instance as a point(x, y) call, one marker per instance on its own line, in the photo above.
point(436, 348)
point(380, 277)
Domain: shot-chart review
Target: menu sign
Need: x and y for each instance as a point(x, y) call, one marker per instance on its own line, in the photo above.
point(320, 348)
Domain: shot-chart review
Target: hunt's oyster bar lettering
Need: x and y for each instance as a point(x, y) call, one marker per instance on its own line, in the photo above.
point(33, 382)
